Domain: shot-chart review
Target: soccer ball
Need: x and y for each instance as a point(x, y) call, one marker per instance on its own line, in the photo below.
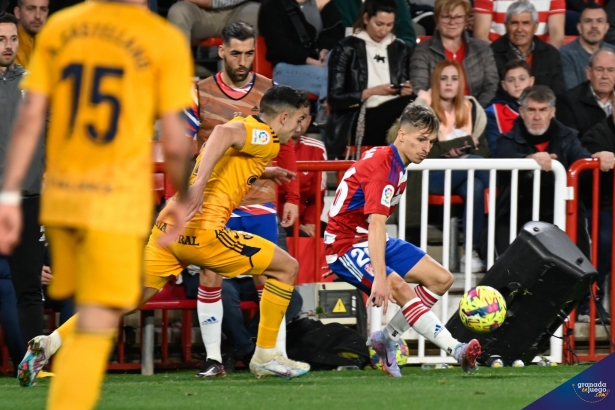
point(482, 309)
point(401, 355)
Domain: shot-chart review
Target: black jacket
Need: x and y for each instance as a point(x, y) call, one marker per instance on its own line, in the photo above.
point(347, 80)
point(546, 62)
point(578, 108)
point(601, 137)
point(565, 143)
point(281, 38)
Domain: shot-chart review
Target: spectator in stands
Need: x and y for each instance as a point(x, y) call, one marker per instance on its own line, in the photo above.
point(521, 43)
point(349, 9)
point(460, 117)
point(307, 149)
point(369, 80)
point(199, 19)
point(601, 137)
point(32, 15)
point(548, 25)
point(237, 90)
point(452, 42)
point(591, 101)
point(538, 135)
point(576, 54)
point(504, 108)
point(299, 35)
point(26, 261)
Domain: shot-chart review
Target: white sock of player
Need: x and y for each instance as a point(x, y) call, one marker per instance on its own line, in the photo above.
point(56, 342)
point(427, 296)
point(427, 324)
point(280, 342)
point(210, 312)
point(397, 326)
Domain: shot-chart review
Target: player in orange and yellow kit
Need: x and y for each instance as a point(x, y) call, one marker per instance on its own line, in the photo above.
point(105, 70)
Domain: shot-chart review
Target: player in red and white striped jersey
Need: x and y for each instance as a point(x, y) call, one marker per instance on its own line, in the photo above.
point(359, 251)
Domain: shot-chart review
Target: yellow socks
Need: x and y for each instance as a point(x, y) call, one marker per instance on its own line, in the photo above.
point(274, 302)
point(79, 368)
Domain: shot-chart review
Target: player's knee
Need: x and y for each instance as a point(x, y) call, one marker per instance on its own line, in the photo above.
point(445, 281)
point(290, 270)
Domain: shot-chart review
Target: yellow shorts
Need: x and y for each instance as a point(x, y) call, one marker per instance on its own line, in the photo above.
point(97, 268)
point(228, 253)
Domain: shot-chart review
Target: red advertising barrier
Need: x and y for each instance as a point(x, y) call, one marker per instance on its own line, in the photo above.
point(572, 210)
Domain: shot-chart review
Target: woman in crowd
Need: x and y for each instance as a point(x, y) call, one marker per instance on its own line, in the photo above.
point(504, 108)
point(369, 75)
point(298, 35)
point(451, 42)
point(461, 117)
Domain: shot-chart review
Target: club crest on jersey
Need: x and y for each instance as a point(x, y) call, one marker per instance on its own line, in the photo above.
point(260, 137)
point(387, 195)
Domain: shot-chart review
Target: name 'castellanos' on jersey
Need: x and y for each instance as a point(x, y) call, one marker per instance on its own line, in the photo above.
point(373, 185)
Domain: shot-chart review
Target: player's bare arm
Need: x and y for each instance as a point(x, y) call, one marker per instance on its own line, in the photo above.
point(278, 175)
point(24, 140)
point(221, 139)
point(177, 152)
point(376, 242)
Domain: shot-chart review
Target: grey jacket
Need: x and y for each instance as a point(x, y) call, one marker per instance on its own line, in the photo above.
point(574, 61)
point(478, 65)
point(10, 100)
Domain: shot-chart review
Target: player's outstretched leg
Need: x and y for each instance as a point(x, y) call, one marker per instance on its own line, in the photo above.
point(40, 350)
point(433, 281)
point(267, 361)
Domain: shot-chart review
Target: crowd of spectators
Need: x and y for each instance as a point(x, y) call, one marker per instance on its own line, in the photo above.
point(500, 75)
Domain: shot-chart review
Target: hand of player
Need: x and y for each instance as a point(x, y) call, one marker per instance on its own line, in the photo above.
point(10, 228)
point(278, 175)
point(309, 229)
point(46, 275)
point(290, 212)
point(380, 295)
point(194, 202)
point(176, 211)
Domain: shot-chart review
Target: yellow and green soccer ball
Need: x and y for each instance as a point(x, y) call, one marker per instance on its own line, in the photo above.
point(401, 355)
point(482, 309)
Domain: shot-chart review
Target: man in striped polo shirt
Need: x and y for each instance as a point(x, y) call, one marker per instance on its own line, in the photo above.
point(489, 19)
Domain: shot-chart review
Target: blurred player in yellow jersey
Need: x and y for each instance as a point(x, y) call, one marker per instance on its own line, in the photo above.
point(233, 158)
point(106, 70)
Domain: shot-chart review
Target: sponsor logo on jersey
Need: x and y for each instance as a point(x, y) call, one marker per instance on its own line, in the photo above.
point(387, 195)
point(187, 240)
point(260, 137)
point(252, 180)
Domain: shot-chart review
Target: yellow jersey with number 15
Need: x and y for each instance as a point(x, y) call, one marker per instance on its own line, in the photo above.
point(109, 69)
point(233, 174)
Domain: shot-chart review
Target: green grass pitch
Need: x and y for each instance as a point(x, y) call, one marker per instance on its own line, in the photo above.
point(504, 388)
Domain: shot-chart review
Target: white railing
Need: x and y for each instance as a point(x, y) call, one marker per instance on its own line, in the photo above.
point(561, 194)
